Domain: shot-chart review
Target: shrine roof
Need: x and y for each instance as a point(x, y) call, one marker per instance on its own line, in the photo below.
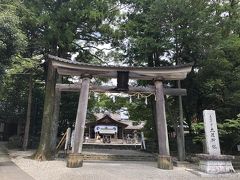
point(69, 67)
point(106, 119)
point(115, 119)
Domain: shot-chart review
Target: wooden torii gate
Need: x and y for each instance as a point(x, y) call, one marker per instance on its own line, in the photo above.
point(123, 74)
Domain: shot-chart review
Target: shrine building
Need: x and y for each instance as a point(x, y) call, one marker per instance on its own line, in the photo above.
point(112, 126)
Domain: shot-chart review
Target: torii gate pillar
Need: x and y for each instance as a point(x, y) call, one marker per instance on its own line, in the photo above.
point(164, 158)
point(75, 159)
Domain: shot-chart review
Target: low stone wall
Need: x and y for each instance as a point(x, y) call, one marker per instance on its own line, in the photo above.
point(118, 157)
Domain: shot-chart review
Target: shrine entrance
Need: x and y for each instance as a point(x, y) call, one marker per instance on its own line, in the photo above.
point(85, 71)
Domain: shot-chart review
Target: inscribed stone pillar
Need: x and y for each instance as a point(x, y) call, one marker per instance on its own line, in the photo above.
point(75, 159)
point(164, 159)
point(211, 133)
point(213, 162)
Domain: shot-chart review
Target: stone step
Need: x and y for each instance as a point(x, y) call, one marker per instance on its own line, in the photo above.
point(118, 158)
point(112, 157)
point(236, 165)
point(111, 146)
point(236, 162)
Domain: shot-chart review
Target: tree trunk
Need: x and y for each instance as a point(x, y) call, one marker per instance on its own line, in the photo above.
point(44, 148)
point(56, 117)
point(27, 125)
point(180, 130)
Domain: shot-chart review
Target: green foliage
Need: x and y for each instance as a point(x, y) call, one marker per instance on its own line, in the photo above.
point(165, 32)
point(105, 103)
point(137, 109)
point(198, 131)
point(68, 110)
point(12, 39)
point(15, 88)
point(68, 27)
point(228, 134)
point(144, 33)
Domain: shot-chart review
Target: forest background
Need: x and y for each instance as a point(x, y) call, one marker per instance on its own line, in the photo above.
point(149, 33)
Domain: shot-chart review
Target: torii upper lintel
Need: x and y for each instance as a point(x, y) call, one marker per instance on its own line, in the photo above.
point(68, 67)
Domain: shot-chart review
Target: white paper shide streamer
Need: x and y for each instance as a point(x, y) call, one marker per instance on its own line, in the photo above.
point(130, 99)
point(114, 99)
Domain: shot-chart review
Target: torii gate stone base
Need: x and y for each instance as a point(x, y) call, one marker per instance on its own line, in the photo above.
point(123, 74)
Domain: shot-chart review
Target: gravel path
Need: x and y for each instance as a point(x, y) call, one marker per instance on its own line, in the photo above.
point(9, 170)
point(99, 170)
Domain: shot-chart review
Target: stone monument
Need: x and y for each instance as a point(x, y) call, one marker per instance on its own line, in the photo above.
point(213, 162)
